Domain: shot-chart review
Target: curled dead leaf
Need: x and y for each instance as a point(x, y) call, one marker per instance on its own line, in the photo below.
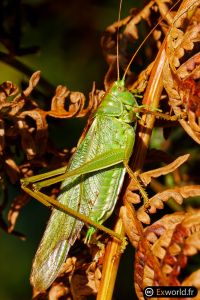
point(57, 291)
point(132, 228)
point(76, 106)
point(156, 202)
point(12, 170)
point(19, 202)
point(2, 136)
point(7, 89)
point(146, 176)
point(33, 81)
point(27, 140)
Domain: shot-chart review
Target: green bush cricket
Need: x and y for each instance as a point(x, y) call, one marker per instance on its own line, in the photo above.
point(90, 185)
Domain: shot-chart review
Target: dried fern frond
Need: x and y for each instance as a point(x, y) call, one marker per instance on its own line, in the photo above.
point(181, 72)
point(163, 250)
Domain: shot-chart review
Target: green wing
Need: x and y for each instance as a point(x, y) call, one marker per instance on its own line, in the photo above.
point(93, 195)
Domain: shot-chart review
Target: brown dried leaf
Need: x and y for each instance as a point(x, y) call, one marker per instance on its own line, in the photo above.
point(2, 136)
point(33, 81)
point(12, 170)
point(146, 176)
point(156, 202)
point(19, 202)
point(7, 89)
point(190, 68)
point(129, 32)
point(193, 244)
point(57, 291)
point(147, 269)
point(78, 101)
point(19, 101)
point(3, 205)
point(58, 102)
point(27, 140)
point(141, 83)
point(160, 260)
point(41, 135)
point(144, 14)
point(76, 105)
point(69, 265)
point(132, 225)
point(108, 44)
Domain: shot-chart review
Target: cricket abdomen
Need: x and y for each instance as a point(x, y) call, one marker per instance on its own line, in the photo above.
point(109, 189)
point(102, 188)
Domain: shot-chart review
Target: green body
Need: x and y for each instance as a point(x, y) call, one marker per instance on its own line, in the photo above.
point(94, 188)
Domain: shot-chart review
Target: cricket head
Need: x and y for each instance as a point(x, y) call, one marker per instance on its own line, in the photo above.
point(119, 90)
point(118, 102)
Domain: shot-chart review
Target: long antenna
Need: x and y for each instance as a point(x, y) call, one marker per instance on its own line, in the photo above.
point(138, 49)
point(119, 17)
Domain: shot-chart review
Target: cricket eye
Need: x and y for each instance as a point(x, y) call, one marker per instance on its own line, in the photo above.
point(120, 89)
